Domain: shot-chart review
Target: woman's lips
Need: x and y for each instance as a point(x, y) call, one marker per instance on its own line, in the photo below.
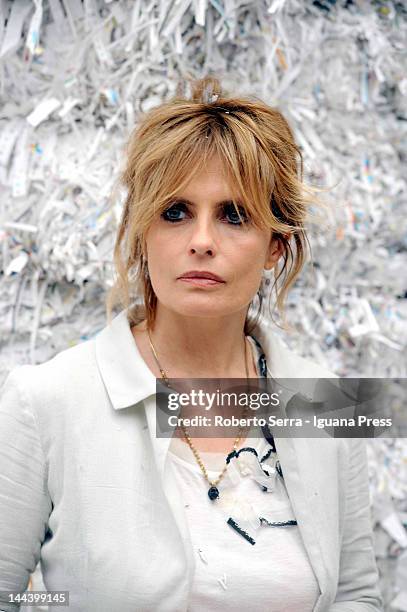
point(201, 282)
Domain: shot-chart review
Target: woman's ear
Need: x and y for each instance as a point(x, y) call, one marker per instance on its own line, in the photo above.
point(275, 251)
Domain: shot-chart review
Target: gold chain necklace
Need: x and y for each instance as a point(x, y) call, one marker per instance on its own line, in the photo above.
point(213, 491)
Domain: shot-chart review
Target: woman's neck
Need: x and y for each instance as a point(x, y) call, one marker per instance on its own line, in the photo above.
point(191, 347)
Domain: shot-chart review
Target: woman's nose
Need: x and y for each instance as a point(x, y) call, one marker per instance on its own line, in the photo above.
point(203, 237)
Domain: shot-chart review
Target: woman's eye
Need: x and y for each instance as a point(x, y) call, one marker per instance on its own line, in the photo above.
point(172, 213)
point(176, 212)
point(231, 213)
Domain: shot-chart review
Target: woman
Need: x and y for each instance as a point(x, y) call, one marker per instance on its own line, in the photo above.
point(125, 519)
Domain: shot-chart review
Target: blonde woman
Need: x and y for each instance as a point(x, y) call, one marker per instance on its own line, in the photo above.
point(126, 520)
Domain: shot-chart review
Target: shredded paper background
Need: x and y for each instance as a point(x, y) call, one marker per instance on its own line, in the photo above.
point(74, 76)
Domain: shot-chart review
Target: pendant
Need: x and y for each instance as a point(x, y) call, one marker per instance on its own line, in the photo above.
point(213, 493)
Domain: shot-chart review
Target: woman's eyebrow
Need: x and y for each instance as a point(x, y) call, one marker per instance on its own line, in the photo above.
point(220, 203)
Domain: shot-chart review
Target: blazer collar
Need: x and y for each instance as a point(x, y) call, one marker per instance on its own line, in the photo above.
point(128, 380)
point(125, 374)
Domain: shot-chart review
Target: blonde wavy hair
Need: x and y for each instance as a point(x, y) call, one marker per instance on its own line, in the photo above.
point(261, 159)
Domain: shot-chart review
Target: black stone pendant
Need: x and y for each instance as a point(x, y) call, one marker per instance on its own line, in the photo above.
point(213, 493)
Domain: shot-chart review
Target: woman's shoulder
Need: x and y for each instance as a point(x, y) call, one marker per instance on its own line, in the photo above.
point(284, 362)
point(304, 367)
point(69, 370)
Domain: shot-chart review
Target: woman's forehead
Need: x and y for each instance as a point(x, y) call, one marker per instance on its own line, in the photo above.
point(212, 169)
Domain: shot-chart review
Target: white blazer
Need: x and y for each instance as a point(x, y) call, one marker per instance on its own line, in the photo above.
point(85, 488)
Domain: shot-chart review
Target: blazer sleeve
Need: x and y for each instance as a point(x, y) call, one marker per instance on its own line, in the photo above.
point(358, 589)
point(25, 504)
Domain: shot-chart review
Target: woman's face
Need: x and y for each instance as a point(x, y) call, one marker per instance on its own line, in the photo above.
point(201, 232)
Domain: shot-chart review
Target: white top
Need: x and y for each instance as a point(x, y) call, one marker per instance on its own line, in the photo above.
point(230, 572)
point(251, 489)
point(83, 488)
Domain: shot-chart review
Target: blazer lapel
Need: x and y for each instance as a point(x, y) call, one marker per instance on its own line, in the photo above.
point(306, 463)
point(296, 462)
point(168, 485)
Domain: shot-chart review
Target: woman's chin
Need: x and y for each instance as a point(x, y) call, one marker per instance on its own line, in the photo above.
point(200, 310)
